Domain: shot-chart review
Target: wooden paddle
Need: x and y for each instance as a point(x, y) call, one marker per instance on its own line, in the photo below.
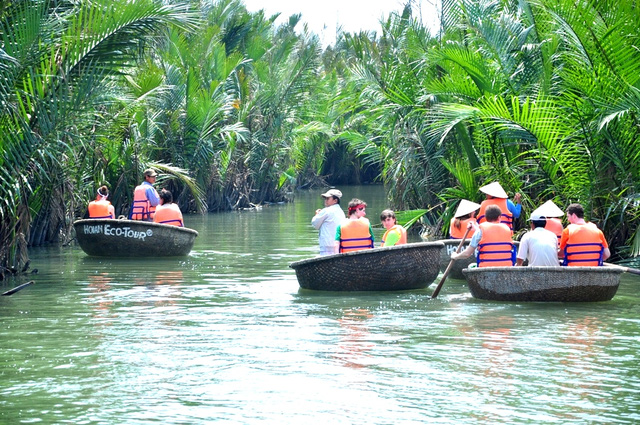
point(17, 288)
point(446, 272)
point(626, 269)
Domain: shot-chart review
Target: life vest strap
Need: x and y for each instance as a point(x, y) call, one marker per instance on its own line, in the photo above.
point(105, 216)
point(568, 254)
point(504, 255)
point(351, 247)
point(139, 209)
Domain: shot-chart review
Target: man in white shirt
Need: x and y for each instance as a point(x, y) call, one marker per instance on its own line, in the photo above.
point(327, 220)
point(539, 246)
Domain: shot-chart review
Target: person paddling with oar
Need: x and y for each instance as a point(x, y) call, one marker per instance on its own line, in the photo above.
point(462, 219)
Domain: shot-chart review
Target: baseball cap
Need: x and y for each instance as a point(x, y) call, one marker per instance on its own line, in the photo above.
point(332, 192)
point(149, 173)
point(536, 216)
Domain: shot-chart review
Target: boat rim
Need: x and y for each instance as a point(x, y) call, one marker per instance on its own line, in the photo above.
point(139, 222)
point(365, 252)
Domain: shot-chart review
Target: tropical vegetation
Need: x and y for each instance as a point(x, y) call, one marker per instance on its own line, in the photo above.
point(234, 110)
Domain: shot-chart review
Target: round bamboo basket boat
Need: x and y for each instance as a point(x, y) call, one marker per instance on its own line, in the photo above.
point(132, 238)
point(566, 284)
point(394, 268)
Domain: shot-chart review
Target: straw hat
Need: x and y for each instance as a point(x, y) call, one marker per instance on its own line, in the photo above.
point(466, 207)
point(494, 189)
point(548, 209)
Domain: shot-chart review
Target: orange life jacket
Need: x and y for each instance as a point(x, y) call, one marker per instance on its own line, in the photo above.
point(355, 236)
point(584, 245)
point(496, 247)
point(168, 214)
point(399, 229)
point(554, 225)
point(456, 233)
point(141, 208)
point(506, 217)
point(101, 209)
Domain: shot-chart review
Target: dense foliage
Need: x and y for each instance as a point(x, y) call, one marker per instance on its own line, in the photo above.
point(233, 111)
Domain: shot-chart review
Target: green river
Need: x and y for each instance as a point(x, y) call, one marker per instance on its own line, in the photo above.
point(226, 335)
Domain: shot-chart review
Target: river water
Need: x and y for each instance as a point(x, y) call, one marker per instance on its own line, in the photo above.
point(226, 336)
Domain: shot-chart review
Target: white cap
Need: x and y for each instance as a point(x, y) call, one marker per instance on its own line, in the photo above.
point(494, 189)
point(549, 209)
point(466, 207)
point(536, 215)
point(332, 192)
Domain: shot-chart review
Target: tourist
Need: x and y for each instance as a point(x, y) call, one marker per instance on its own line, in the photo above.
point(354, 233)
point(145, 198)
point(101, 208)
point(539, 247)
point(465, 213)
point(168, 212)
point(395, 234)
point(491, 241)
point(497, 196)
point(327, 220)
point(582, 243)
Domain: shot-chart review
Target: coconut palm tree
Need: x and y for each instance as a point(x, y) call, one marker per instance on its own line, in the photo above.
point(59, 59)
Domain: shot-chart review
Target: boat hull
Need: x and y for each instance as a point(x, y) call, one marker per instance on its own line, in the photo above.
point(565, 284)
point(131, 238)
point(394, 268)
point(450, 245)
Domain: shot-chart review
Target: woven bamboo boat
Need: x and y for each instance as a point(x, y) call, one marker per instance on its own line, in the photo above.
point(450, 245)
point(394, 268)
point(131, 238)
point(567, 284)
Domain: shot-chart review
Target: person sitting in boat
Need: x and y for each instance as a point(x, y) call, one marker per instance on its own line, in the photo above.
point(145, 198)
point(491, 241)
point(101, 208)
point(327, 219)
point(395, 234)
point(168, 212)
point(551, 211)
point(539, 246)
point(465, 213)
point(354, 233)
point(497, 196)
point(582, 243)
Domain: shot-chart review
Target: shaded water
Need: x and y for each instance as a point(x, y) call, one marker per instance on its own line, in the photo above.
point(226, 335)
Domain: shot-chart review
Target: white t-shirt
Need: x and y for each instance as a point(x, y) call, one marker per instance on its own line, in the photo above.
point(327, 221)
point(540, 247)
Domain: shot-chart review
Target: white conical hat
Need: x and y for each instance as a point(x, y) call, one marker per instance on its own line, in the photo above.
point(466, 207)
point(548, 209)
point(494, 189)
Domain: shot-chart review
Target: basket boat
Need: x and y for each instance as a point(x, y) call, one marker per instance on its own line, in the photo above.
point(566, 284)
point(394, 268)
point(132, 238)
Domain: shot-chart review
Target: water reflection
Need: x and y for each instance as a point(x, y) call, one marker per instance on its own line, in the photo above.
point(352, 350)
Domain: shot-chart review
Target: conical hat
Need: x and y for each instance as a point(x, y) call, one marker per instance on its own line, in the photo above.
point(494, 189)
point(548, 209)
point(466, 207)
